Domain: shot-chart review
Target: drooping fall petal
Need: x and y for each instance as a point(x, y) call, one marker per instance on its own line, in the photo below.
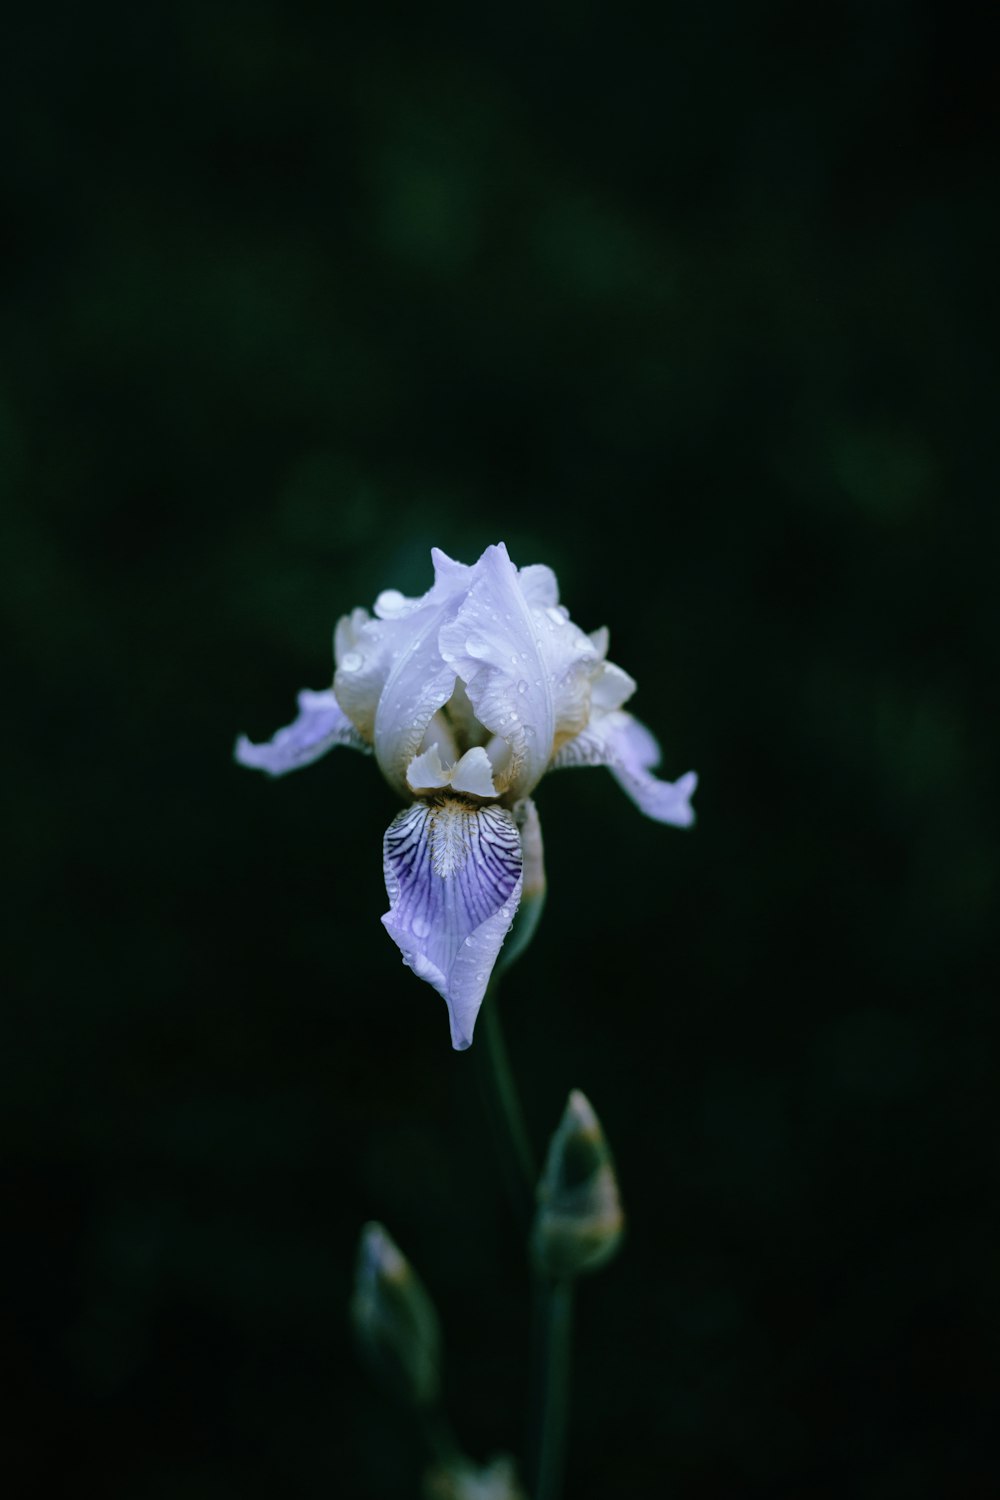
point(321, 725)
point(453, 873)
point(626, 747)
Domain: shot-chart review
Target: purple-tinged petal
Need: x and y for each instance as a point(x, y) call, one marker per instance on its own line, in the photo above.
point(626, 747)
point(321, 725)
point(392, 680)
point(539, 585)
point(474, 774)
point(453, 875)
point(426, 771)
point(610, 688)
point(526, 667)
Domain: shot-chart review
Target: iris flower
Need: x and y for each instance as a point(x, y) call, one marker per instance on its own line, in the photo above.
point(466, 697)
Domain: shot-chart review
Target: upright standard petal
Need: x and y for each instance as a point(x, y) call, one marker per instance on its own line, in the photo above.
point(626, 747)
point(321, 725)
point(453, 873)
point(525, 666)
point(393, 679)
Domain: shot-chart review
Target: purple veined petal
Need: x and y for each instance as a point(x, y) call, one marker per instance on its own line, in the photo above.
point(525, 665)
point(628, 749)
point(453, 873)
point(321, 725)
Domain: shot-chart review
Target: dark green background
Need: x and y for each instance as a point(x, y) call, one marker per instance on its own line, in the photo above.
point(690, 304)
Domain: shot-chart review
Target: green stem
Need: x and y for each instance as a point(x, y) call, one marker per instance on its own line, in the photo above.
point(554, 1337)
point(510, 1135)
point(438, 1438)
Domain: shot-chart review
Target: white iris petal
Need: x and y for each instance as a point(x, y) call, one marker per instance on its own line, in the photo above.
point(626, 747)
point(474, 774)
point(471, 774)
point(321, 725)
point(467, 695)
point(394, 679)
point(426, 771)
point(525, 666)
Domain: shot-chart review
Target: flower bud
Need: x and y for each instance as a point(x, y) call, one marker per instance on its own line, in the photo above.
point(579, 1221)
point(460, 1480)
point(394, 1319)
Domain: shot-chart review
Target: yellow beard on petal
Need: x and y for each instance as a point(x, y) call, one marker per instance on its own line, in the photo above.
point(449, 834)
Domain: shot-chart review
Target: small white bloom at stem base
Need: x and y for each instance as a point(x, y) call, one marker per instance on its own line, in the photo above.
point(466, 696)
point(460, 1480)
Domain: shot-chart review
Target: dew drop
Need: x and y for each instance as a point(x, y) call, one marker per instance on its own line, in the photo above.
point(556, 615)
point(390, 602)
point(352, 662)
point(476, 646)
point(421, 927)
point(522, 686)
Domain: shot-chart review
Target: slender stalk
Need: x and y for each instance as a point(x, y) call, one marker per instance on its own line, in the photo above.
point(554, 1311)
point(553, 1297)
point(503, 1107)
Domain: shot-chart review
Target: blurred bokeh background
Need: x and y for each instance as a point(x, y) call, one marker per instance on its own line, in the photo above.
point(690, 303)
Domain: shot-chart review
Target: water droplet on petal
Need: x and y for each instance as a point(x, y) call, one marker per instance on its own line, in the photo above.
point(421, 927)
point(476, 646)
point(522, 686)
point(556, 615)
point(390, 601)
point(352, 662)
